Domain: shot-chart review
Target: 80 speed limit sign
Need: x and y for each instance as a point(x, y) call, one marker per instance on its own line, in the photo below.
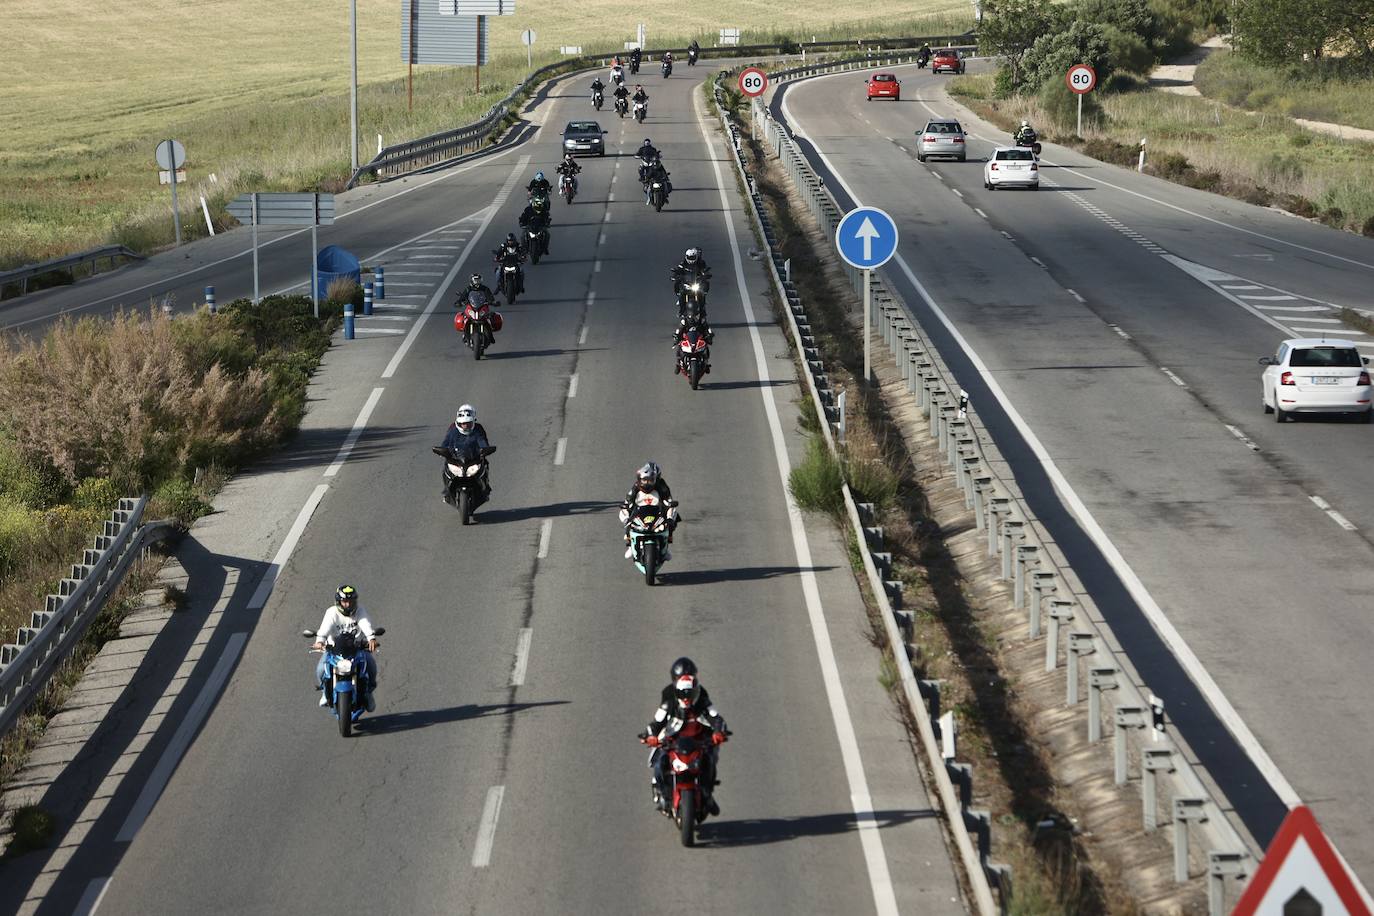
point(1081, 78)
point(753, 81)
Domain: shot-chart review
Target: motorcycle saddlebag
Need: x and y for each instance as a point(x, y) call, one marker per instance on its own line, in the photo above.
point(496, 320)
point(460, 321)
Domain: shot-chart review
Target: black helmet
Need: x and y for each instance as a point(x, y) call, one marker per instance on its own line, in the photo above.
point(683, 665)
point(511, 239)
point(347, 599)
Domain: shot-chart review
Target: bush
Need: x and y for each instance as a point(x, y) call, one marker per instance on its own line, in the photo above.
point(1061, 106)
point(816, 483)
point(177, 498)
point(97, 495)
point(1281, 168)
point(22, 535)
point(1368, 228)
point(1105, 150)
point(873, 481)
point(1128, 51)
point(1334, 217)
point(33, 829)
point(343, 289)
point(1052, 55)
point(37, 487)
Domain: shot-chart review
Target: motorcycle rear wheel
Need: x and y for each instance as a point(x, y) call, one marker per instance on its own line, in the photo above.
point(687, 817)
point(650, 562)
point(343, 705)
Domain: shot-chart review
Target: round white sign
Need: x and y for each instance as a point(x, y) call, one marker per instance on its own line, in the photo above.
point(527, 37)
point(171, 154)
point(1081, 78)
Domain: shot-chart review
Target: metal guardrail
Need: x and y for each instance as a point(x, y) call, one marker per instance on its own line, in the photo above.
point(1042, 583)
point(69, 263)
point(445, 147)
point(26, 665)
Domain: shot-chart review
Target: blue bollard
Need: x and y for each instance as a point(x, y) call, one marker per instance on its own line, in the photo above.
point(210, 298)
point(367, 298)
point(348, 321)
point(380, 283)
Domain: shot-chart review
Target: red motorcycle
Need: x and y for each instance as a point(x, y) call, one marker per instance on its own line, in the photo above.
point(691, 767)
point(693, 354)
point(478, 322)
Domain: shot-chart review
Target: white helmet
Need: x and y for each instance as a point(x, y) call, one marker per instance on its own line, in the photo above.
point(1025, 123)
point(692, 255)
point(466, 415)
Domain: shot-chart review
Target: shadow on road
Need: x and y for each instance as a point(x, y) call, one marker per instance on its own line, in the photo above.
point(424, 718)
point(521, 354)
point(738, 574)
point(781, 829)
point(747, 383)
point(556, 510)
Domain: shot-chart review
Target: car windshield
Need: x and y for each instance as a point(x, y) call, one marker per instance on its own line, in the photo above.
point(581, 127)
point(884, 78)
point(1325, 358)
point(942, 127)
point(1023, 154)
point(946, 53)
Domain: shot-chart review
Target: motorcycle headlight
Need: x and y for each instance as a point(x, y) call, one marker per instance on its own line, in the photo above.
point(658, 184)
point(474, 470)
point(343, 667)
point(679, 766)
point(695, 287)
point(455, 469)
point(510, 268)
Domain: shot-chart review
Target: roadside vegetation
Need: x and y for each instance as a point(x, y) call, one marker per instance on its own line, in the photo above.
point(1336, 91)
point(260, 107)
point(1264, 159)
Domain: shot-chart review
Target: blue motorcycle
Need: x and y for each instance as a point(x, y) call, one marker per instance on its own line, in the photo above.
point(346, 676)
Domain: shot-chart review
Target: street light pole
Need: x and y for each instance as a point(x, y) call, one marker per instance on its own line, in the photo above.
point(353, 85)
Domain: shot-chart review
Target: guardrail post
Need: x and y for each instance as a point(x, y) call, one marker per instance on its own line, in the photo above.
point(1220, 866)
point(379, 283)
point(1126, 717)
point(348, 320)
point(1012, 531)
point(997, 507)
point(981, 484)
point(968, 464)
point(1152, 760)
point(1186, 811)
point(1026, 556)
point(839, 406)
point(947, 414)
point(1080, 644)
point(1041, 584)
point(210, 299)
point(1099, 680)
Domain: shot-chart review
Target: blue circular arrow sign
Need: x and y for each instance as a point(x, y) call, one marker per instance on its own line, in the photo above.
point(866, 237)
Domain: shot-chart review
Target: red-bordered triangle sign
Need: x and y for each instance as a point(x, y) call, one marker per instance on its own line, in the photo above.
point(1300, 859)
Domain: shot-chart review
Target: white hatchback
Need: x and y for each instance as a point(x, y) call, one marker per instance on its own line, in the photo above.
point(1316, 375)
point(1011, 165)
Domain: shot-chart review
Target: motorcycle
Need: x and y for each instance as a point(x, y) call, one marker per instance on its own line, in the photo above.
point(598, 99)
point(658, 194)
point(649, 520)
point(644, 166)
point(466, 478)
point(347, 675)
point(618, 76)
point(1028, 140)
point(478, 322)
point(692, 298)
point(692, 54)
point(691, 767)
point(634, 65)
point(536, 243)
point(622, 106)
point(641, 111)
point(509, 280)
point(667, 69)
point(567, 187)
point(693, 354)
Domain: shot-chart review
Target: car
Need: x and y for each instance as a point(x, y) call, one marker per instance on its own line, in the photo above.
point(584, 137)
point(947, 59)
point(1011, 165)
point(884, 86)
point(1316, 375)
point(941, 138)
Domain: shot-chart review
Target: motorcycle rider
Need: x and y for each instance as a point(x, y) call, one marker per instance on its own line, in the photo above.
point(656, 172)
point(617, 73)
point(597, 87)
point(667, 62)
point(684, 699)
point(510, 254)
point(648, 479)
point(343, 615)
point(462, 432)
point(641, 96)
point(474, 284)
point(636, 57)
point(693, 52)
point(535, 219)
point(539, 184)
point(622, 96)
point(1025, 133)
point(569, 168)
point(692, 266)
point(647, 154)
point(924, 54)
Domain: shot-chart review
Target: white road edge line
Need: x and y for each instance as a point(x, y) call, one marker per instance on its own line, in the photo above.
point(181, 740)
point(884, 897)
point(358, 425)
point(572, 386)
point(522, 657)
point(1249, 443)
point(560, 451)
point(269, 578)
point(545, 535)
point(1172, 377)
point(1074, 293)
point(1332, 513)
point(90, 900)
point(582, 337)
point(501, 195)
point(486, 833)
point(1158, 619)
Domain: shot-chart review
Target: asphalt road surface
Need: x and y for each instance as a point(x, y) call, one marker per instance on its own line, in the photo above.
point(1120, 318)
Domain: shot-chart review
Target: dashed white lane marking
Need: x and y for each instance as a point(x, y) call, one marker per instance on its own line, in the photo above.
point(1292, 308)
point(269, 578)
point(1038, 262)
point(572, 386)
point(1120, 333)
point(937, 174)
point(591, 297)
point(1007, 235)
point(522, 657)
point(1334, 515)
point(1075, 295)
point(560, 450)
point(980, 213)
point(1249, 443)
point(610, 198)
point(545, 533)
point(582, 337)
point(358, 426)
point(181, 740)
point(486, 833)
point(402, 283)
point(1242, 286)
point(1173, 378)
point(90, 901)
point(596, 268)
point(1310, 320)
point(957, 192)
point(607, 217)
point(601, 240)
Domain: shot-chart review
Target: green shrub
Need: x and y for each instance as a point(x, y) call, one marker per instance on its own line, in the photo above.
point(1280, 168)
point(33, 829)
point(98, 495)
point(1061, 106)
point(873, 481)
point(1300, 138)
point(1052, 55)
point(816, 482)
point(1368, 228)
point(35, 486)
point(22, 535)
point(1128, 51)
point(177, 498)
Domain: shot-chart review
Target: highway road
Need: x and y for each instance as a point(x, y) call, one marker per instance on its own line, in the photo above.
point(501, 772)
point(1118, 319)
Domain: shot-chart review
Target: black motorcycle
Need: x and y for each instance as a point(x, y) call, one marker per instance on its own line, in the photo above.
point(622, 106)
point(536, 243)
point(692, 54)
point(667, 69)
point(466, 478)
point(509, 280)
point(598, 99)
point(1028, 139)
point(658, 193)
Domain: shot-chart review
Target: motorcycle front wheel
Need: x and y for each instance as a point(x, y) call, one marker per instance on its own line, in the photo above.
point(650, 563)
point(479, 342)
point(694, 374)
point(687, 817)
point(465, 506)
point(343, 705)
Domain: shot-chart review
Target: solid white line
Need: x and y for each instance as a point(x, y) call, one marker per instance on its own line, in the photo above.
point(90, 900)
point(545, 534)
point(1075, 295)
point(355, 432)
point(1311, 320)
point(560, 451)
point(428, 257)
point(522, 657)
point(362, 330)
point(486, 834)
point(269, 578)
point(1038, 261)
point(181, 740)
point(1249, 443)
point(1173, 378)
point(404, 272)
point(957, 192)
point(404, 348)
point(884, 897)
point(1291, 308)
point(1247, 286)
point(424, 285)
point(572, 386)
point(980, 213)
point(1251, 297)
point(1165, 627)
point(376, 317)
point(1326, 332)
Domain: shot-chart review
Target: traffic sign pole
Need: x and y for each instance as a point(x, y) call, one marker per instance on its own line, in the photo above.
point(255, 248)
point(176, 214)
point(867, 238)
point(868, 335)
point(1080, 116)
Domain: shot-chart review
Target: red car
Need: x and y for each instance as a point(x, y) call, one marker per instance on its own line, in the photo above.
point(884, 86)
point(947, 59)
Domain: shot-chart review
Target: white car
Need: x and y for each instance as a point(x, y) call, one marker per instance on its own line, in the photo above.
point(1011, 166)
point(1316, 375)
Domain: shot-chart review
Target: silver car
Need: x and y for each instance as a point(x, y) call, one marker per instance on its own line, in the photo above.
point(941, 138)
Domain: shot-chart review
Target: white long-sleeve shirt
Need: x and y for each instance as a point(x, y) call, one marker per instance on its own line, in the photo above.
point(336, 622)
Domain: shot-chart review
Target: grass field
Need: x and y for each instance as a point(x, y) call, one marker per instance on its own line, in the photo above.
point(257, 91)
point(1234, 80)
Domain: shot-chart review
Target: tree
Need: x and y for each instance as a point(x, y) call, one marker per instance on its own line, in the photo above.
point(1052, 55)
point(1011, 27)
point(1129, 16)
point(1281, 31)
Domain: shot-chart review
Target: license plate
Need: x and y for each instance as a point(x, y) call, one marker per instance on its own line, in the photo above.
point(1325, 380)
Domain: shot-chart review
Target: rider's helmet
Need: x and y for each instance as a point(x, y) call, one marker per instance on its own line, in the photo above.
point(466, 419)
point(683, 665)
point(1024, 123)
point(687, 691)
point(538, 176)
point(510, 239)
point(639, 87)
point(647, 142)
point(475, 280)
point(347, 600)
point(647, 476)
point(692, 255)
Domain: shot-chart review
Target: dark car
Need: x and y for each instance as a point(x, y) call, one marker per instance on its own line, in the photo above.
point(947, 59)
point(584, 137)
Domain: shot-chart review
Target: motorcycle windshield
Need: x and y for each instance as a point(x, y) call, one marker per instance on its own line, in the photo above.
point(466, 455)
point(347, 643)
point(478, 300)
point(686, 747)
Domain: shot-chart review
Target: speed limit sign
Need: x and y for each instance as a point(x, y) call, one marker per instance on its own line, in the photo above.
point(753, 81)
point(1081, 78)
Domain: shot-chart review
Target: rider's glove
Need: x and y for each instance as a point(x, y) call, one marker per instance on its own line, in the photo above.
point(651, 740)
point(718, 738)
